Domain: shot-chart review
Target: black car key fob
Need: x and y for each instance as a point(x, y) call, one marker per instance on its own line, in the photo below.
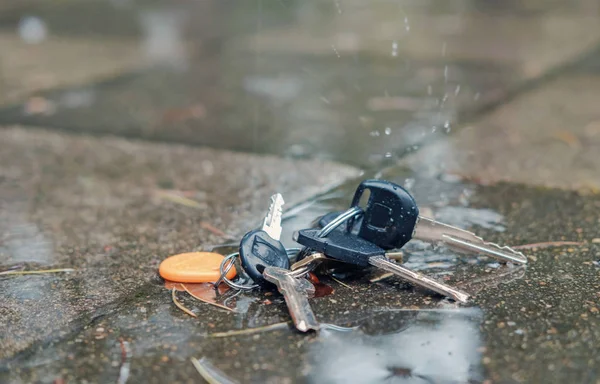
point(390, 215)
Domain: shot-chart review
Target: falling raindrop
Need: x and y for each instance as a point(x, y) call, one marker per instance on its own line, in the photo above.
point(32, 30)
point(388, 130)
point(457, 90)
point(335, 50)
point(406, 26)
point(388, 154)
point(374, 133)
point(395, 48)
point(447, 126)
point(337, 5)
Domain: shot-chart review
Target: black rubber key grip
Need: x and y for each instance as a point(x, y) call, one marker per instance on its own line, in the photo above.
point(258, 250)
point(390, 215)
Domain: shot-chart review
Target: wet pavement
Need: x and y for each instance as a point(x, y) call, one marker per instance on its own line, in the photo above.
point(132, 132)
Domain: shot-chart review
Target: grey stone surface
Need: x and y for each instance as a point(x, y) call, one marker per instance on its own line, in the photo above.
point(533, 324)
point(310, 80)
point(93, 205)
point(549, 137)
point(365, 83)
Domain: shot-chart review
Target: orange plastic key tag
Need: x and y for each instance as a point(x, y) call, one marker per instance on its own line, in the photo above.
point(193, 267)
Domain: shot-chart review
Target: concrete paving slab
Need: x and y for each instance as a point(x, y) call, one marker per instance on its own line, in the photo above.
point(533, 324)
point(362, 113)
point(99, 206)
point(530, 40)
point(61, 62)
point(548, 137)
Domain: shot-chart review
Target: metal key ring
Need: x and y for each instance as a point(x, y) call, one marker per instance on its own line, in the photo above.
point(291, 253)
point(343, 217)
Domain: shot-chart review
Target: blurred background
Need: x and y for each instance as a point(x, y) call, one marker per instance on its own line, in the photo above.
point(363, 83)
point(133, 130)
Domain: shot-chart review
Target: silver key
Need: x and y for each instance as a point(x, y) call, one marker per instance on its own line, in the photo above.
point(460, 240)
point(349, 248)
point(386, 264)
point(272, 223)
point(295, 291)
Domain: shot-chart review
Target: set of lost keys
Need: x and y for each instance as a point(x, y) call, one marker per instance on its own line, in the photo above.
point(362, 237)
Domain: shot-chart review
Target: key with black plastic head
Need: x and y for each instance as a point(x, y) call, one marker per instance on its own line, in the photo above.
point(261, 248)
point(391, 218)
point(349, 248)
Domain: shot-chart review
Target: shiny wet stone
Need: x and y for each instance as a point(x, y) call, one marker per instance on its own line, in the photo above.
point(532, 324)
point(112, 209)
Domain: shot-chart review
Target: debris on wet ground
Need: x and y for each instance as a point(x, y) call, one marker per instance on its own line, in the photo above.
point(251, 331)
point(38, 272)
point(124, 370)
point(210, 373)
point(548, 244)
point(181, 306)
point(489, 111)
point(204, 292)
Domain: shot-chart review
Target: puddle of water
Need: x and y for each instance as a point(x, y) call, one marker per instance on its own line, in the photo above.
point(426, 347)
point(464, 217)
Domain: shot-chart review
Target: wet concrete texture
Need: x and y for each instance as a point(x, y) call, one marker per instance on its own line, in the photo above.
point(485, 111)
point(101, 206)
point(379, 79)
point(533, 324)
point(536, 139)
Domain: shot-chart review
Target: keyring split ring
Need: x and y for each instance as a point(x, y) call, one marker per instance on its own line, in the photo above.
point(342, 218)
point(291, 252)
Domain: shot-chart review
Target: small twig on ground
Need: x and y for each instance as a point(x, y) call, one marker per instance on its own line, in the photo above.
point(181, 306)
point(547, 244)
point(210, 373)
point(40, 272)
point(250, 331)
point(381, 277)
point(166, 195)
point(215, 231)
point(206, 301)
point(341, 283)
point(125, 354)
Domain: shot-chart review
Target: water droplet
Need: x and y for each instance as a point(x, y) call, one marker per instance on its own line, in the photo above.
point(395, 48)
point(457, 90)
point(447, 126)
point(388, 130)
point(335, 50)
point(406, 26)
point(388, 154)
point(374, 133)
point(32, 30)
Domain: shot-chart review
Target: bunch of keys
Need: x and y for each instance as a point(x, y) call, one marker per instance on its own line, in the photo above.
point(266, 261)
point(390, 219)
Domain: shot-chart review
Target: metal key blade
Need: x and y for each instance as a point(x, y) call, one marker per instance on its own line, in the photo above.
point(418, 279)
point(295, 292)
point(272, 223)
point(433, 231)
